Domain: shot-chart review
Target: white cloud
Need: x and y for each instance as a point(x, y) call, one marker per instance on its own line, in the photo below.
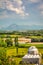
point(15, 6)
point(19, 2)
point(34, 1)
point(27, 14)
point(18, 10)
point(40, 8)
point(3, 15)
point(41, 12)
point(1, 3)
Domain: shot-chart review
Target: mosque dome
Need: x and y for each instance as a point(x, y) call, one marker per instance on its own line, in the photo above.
point(33, 50)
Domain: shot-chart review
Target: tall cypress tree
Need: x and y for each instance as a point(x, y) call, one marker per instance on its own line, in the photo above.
point(16, 44)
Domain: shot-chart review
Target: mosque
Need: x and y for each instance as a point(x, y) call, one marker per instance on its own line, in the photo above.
point(32, 57)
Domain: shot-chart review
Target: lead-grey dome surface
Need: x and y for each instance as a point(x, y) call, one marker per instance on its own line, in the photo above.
point(33, 49)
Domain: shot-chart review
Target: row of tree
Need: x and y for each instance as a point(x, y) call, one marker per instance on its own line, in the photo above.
point(24, 33)
point(8, 42)
point(37, 40)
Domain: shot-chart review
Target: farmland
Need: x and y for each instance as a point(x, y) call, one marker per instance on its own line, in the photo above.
point(16, 51)
point(22, 51)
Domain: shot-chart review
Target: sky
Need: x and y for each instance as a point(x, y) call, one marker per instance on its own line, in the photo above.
point(21, 12)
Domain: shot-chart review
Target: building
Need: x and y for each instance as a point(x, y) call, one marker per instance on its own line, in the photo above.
point(24, 40)
point(32, 57)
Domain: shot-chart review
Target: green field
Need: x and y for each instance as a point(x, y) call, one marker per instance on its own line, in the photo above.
point(22, 51)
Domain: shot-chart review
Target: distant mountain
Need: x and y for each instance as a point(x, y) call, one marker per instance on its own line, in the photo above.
point(2, 27)
point(23, 27)
point(12, 27)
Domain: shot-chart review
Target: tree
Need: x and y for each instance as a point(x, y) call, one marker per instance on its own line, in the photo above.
point(2, 43)
point(2, 56)
point(9, 42)
point(16, 41)
point(16, 44)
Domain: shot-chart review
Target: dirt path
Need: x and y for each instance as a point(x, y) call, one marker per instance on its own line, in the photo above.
point(37, 43)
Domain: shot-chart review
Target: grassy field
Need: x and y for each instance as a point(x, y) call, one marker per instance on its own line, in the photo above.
point(22, 51)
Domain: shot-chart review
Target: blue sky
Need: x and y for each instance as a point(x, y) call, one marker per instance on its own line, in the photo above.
point(21, 12)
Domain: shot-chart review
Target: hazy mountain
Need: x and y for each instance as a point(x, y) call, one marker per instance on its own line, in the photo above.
point(23, 27)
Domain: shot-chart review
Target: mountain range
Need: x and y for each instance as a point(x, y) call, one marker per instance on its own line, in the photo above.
point(15, 27)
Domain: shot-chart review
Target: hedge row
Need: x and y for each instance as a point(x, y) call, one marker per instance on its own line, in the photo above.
point(36, 40)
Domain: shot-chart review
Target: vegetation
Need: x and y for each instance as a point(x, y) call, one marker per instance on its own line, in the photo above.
point(12, 54)
point(2, 43)
point(16, 44)
point(2, 56)
point(9, 42)
point(9, 55)
point(35, 35)
point(22, 51)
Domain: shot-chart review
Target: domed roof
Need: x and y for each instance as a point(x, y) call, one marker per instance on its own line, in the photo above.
point(33, 48)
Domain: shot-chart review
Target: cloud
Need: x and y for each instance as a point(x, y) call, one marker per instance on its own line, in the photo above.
point(3, 15)
point(41, 12)
point(40, 8)
point(1, 4)
point(18, 10)
point(27, 14)
point(34, 1)
point(16, 6)
point(19, 2)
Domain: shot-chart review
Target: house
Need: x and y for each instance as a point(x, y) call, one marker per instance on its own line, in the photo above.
point(24, 40)
point(20, 40)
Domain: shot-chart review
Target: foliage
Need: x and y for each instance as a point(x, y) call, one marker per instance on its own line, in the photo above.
point(4, 60)
point(12, 58)
point(2, 55)
point(42, 56)
point(16, 44)
point(9, 42)
point(41, 40)
point(3, 44)
point(10, 61)
point(35, 40)
point(16, 41)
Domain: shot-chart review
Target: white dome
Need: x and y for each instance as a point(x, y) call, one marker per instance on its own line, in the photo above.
point(33, 48)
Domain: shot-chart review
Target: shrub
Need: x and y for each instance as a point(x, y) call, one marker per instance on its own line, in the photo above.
point(42, 56)
point(9, 42)
point(41, 40)
point(35, 40)
point(10, 61)
point(5, 60)
point(3, 44)
point(2, 55)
